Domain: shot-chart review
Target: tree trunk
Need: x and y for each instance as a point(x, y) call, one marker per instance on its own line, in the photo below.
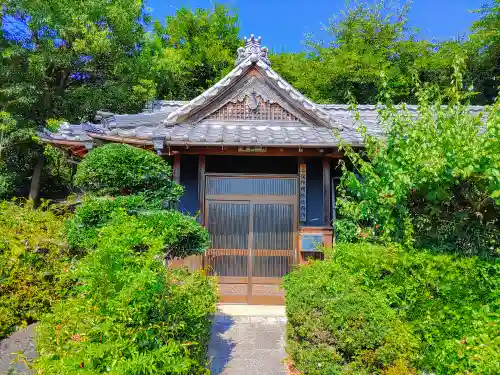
point(36, 179)
point(72, 176)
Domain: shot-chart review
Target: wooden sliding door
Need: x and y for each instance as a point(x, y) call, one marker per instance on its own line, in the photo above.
point(253, 223)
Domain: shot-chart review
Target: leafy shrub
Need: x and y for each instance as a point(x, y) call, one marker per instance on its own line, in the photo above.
point(33, 255)
point(131, 315)
point(94, 212)
point(183, 236)
point(6, 183)
point(372, 309)
point(434, 181)
point(337, 325)
point(118, 169)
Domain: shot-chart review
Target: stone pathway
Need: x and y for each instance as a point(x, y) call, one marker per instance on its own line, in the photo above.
point(248, 340)
point(20, 341)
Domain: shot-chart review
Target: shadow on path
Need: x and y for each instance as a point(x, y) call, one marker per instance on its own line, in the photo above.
point(220, 346)
point(247, 345)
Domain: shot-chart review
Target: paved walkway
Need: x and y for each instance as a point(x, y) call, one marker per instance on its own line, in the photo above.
point(248, 340)
point(20, 341)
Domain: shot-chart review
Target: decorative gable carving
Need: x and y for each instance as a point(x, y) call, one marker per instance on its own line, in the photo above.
point(251, 100)
point(252, 107)
point(252, 91)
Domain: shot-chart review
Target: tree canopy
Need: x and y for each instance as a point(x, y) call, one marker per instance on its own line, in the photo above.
point(369, 45)
point(63, 60)
point(193, 51)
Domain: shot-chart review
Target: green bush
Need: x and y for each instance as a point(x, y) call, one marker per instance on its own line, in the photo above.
point(6, 183)
point(131, 315)
point(33, 256)
point(93, 213)
point(433, 181)
point(183, 236)
point(370, 309)
point(118, 169)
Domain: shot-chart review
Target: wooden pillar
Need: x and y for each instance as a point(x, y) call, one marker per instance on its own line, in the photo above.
point(201, 188)
point(177, 168)
point(302, 191)
point(327, 196)
point(176, 174)
point(36, 179)
point(334, 212)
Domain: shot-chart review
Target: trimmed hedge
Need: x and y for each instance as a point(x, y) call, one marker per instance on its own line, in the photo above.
point(130, 315)
point(119, 169)
point(93, 213)
point(381, 310)
point(33, 256)
point(182, 235)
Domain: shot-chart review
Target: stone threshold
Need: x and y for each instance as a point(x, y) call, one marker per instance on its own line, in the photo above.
point(250, 310)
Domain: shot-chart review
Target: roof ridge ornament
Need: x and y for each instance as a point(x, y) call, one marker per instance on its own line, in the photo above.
point(254, 50)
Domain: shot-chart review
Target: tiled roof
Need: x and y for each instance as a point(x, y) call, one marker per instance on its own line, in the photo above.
point(168, 119)
point(147, 125)
point(249, 134)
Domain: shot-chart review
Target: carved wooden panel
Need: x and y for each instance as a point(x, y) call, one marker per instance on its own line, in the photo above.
point(233, 289)
point(252, 107)
point(267, 290)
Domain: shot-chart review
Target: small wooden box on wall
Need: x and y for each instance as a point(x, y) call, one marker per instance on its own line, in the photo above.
point(312, 240)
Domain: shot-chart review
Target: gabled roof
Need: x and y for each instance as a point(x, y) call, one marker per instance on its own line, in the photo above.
point(253, 56)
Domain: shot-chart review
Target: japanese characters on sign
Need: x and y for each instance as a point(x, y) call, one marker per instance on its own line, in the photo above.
point(302, 193)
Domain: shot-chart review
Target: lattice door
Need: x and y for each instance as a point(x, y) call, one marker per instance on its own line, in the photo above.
point(252, 222)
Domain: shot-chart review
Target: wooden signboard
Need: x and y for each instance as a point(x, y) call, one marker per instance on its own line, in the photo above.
point(302, 193)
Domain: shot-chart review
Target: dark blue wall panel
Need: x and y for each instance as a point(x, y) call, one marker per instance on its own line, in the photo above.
point(252, 164)
point(189, 179)
point(314, 192)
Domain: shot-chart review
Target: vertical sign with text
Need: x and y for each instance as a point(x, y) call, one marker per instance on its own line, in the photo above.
point(302, 193)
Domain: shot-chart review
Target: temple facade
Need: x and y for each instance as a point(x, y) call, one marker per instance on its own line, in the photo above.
point(258, 162)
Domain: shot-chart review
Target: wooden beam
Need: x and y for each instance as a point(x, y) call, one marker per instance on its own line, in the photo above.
point(201, 187)
point(277, 151)
point(79, 152)
point(327, 197)
point(128, 140)
point(60, 142)
point(177, 168)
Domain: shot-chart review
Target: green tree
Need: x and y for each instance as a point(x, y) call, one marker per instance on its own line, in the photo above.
point(193, 50)
point(368, 45)
point(363, 40)
point(67, 59)
point(7, 123)
point(485, 45)
point(434, 181)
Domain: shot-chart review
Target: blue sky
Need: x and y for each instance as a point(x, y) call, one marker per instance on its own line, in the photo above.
point(283, 23)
